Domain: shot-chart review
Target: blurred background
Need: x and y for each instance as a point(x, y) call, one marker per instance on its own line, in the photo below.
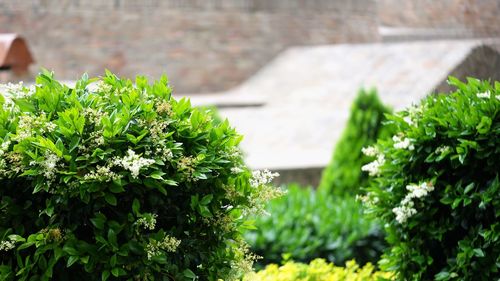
point(286, 73)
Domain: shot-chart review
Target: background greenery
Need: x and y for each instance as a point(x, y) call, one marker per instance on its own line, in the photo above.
point(306, 224)
point(329, 223)
point(365, 125)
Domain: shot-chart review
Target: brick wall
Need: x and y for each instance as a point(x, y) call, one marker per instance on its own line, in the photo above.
point(476, 18)
point(203, 45)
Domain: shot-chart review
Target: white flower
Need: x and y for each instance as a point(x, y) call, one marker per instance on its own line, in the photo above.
point(102, 173)
point(402, 143)
point(442, 149)
point(98, 86)
point(408, 120)
point(369, 200)
point(147, 221)
point(262, 177)
point(485, 95)
point(4, 147)
point(418, 191)
point(133, 162)
point(163, 151)
point(406, 210)
point(236, 170)
point(370, 151)
point(7, 245)
point(169, 244)
point(48, 165)
point(403, 213)
point(373, 168)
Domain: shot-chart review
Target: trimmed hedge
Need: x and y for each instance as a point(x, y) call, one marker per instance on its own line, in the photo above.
point(306, 224)
point(343, 175)
point(437, 186)
point(318, 270)
point(116, 180)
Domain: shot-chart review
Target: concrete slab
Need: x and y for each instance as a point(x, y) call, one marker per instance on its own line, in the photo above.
point(308, 92)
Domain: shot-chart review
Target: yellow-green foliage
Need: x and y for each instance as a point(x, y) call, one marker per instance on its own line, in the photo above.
point(318, 270)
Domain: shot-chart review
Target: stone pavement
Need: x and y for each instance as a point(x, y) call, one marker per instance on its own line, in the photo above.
point(306, 93)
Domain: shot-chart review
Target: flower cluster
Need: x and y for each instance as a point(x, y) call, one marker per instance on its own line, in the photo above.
point(443, 149)
point(155, 248)
point(261, 180)
point(163, 107)
point(373, 168)
point(99, 86)
point(102, 173)
point(401, 142)
point(28, 125)
point(93, 115)
point(133, 162)
point(412, 114)
point(370, 151)
point(368, 200)
point(7, 245)
point(262, 177)
point(236, 170)
point(156, 128)
point(147, 221)
point(48, 165)
point(485, 95)
point(4, 146)
point(17, 91)
point(406, 208)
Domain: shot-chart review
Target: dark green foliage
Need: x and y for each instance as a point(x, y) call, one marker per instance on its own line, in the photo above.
point(438, 191)
point(118, 181)
point(306, 224)
point(343, 175)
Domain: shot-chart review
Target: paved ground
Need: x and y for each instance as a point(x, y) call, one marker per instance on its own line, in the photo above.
point(306, 94)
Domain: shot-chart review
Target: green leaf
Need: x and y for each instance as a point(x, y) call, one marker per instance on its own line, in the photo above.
point(189, 274)
point(98, 222)
point(136, 207)
point(478, 253)
point(112, 239)
point(110, 199)
point(484, 126)
point(112, 261)
point(118, 272)
point(105, 275)
point(468, 188)
point(204, 211)
point(442, 275)
point(70, 250)
point(72, 260)
point(157, 175)
point(206, 199)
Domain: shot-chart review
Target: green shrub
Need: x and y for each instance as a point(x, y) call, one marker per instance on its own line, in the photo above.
point(438, 186)
point(305, 224)
point(119, 181)
point(318, 270)
point(343, 175)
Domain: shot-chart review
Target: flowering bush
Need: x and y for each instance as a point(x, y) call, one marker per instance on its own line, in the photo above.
point(438, 186)
point(112, 180)
point(365, 125)
point(318, 270)
point(306, 224)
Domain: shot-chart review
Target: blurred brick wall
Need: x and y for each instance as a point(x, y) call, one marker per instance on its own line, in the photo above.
point(477, 18)
point(203, 45)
